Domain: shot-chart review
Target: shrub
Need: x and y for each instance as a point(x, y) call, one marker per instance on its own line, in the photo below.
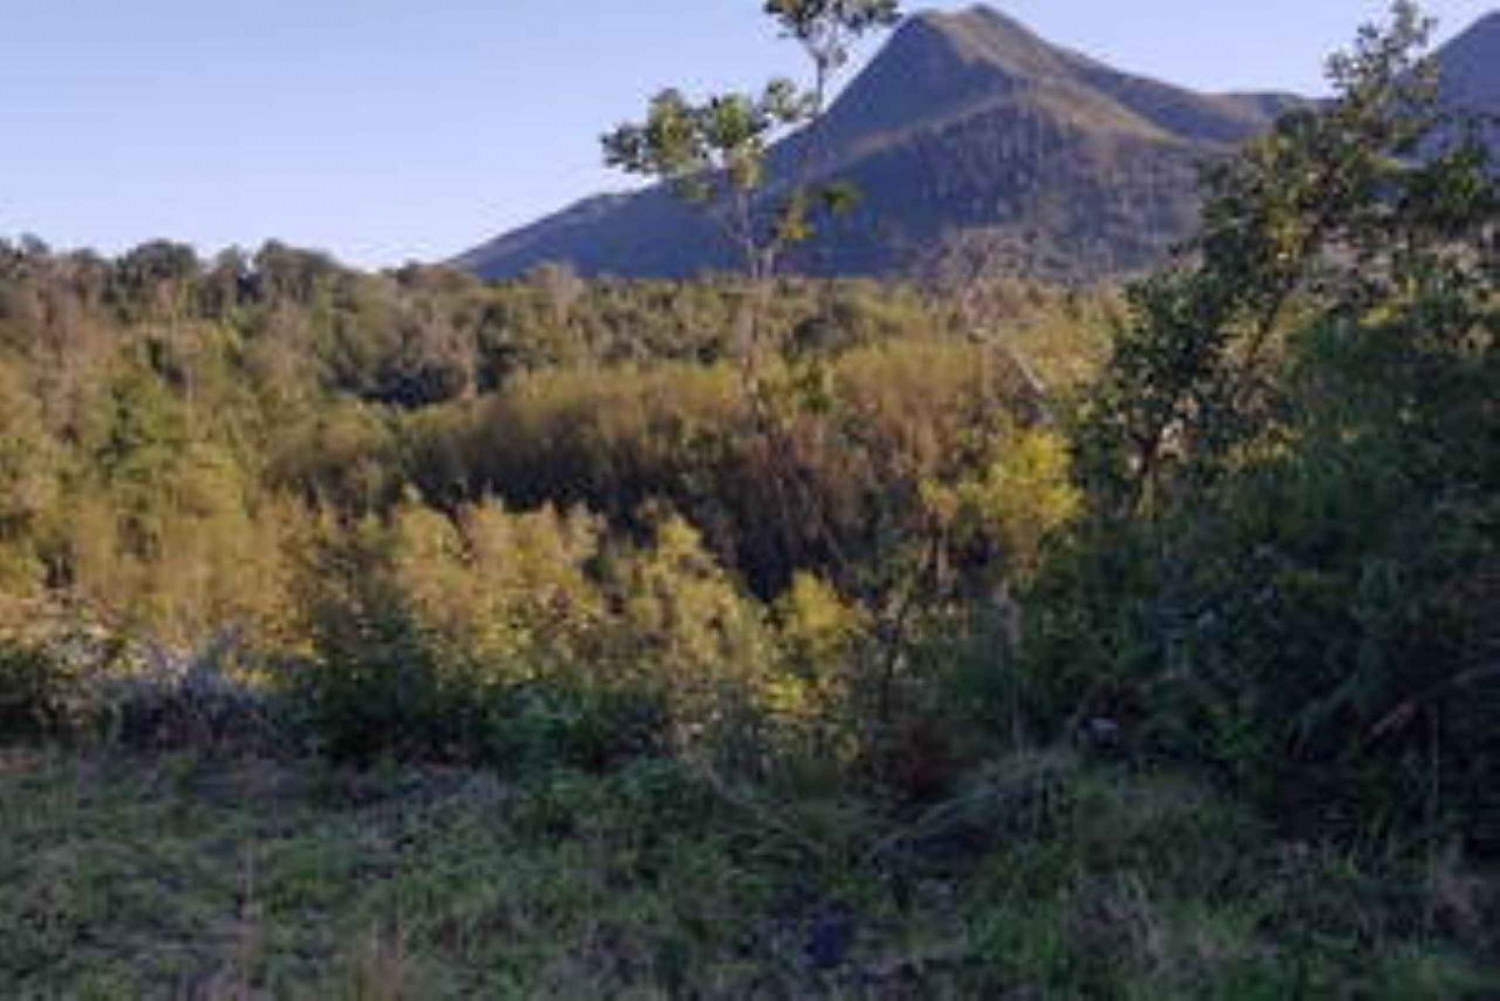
point(34, 694)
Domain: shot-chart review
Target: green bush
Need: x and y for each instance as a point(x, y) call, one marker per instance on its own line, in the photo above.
point(1290, 461)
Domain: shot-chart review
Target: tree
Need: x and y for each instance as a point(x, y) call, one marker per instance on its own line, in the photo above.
point(715, 151)
point(1328, 212)
point(827, 29)
point(1293, 458)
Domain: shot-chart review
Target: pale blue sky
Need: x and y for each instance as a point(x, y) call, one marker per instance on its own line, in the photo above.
point(384, 131)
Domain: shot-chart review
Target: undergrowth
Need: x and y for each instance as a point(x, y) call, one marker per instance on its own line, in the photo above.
point(1047, 875)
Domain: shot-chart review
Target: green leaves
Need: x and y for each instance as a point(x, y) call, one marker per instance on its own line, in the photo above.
point(668, 144)
point(805, 18)
point(715, 151)
point(826, 27)
point(1290, 451)
point(1331, 213)
point(694, 145)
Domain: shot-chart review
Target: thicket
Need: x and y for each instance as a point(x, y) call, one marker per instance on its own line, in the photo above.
point(1289, 569)
point(1243, 519)
point(418, 515)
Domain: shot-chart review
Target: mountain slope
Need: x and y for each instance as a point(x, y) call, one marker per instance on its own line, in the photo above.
point(1470, 67)
point(969, 126)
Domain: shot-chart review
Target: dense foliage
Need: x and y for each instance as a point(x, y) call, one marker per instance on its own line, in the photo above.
point(476, 497)
point(921, 567)
point(1293, 456)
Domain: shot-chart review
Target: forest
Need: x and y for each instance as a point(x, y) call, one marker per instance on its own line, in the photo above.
point(402, 634)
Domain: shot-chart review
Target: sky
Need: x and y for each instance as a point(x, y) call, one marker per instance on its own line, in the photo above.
point(384, 131)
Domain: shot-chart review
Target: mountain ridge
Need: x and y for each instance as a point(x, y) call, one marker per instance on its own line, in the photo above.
point(968, 125)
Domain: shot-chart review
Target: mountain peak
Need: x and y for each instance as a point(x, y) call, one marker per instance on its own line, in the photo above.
point(1485, 31)
point(982, 34)
point(979, 16)
point(936, 67)
point(1470, 68)
point(968, 125)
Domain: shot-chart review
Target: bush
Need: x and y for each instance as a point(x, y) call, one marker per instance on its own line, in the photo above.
point(35, 694)
point(502, 638)
point(1290, 463)
point(189, 702)
point(85, 685)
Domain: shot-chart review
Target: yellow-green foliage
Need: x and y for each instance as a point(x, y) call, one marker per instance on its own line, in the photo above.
point(498, 599)
point(919, 398)
point(613, 436)
point(506, 591)
point(1064, 336)
point(28, 482)
point(162, 526)
point(368, 471)
point(837, 451)
point(817, 624)
point(343, 456)
point(1013, 502)
point(216, 568)
point(686, 626)
point(819, 632)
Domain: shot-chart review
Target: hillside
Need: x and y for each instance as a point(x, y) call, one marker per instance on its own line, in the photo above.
point(967, 123)
point(1471, 67)
point(397, 635)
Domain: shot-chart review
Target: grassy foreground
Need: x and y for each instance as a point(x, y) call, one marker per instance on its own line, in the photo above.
point(182, 876)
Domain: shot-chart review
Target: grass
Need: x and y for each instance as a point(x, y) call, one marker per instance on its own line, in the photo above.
point(182, 876)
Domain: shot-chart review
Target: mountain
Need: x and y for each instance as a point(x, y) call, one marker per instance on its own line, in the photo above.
point(1470, 67)
point(1469, 80)
point(968, 128)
